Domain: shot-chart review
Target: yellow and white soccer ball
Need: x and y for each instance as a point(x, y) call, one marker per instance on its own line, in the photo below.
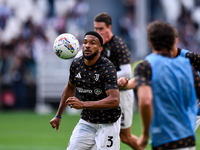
point(66, 46)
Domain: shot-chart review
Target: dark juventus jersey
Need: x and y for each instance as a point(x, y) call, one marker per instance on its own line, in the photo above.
point(92, 82)
point(116, 51)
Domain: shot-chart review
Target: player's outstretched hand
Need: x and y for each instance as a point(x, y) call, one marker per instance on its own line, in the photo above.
point(143, 141)
point(55, 122)
point(74, 102)
point(122, 82)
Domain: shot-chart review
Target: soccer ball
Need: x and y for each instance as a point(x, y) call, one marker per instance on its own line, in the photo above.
point(66, 46)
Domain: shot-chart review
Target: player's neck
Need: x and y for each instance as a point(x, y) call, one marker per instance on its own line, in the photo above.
point(110, 36)
point(163, 51)
point(92, 61)
point(174, 52)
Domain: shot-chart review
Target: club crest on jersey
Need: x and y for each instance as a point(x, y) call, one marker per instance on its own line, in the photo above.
point(108, 53)
point(58, 52)
point(66, 43)
point(96, 77)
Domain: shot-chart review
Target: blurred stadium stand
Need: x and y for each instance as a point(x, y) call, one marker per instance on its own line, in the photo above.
point(32, 76)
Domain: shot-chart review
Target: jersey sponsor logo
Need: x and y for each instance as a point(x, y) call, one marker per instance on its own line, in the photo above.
point(97, 77)
point(81, 90)
point(97, 91)
point(78, 75)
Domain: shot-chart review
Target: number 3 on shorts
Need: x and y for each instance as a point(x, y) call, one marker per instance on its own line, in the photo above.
point(110, 140)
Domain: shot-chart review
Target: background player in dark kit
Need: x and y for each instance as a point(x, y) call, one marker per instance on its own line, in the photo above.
point(115, 49)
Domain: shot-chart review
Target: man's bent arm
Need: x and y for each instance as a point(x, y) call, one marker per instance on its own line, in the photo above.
point(145, 98)
point(68, 91)
point(111, 101)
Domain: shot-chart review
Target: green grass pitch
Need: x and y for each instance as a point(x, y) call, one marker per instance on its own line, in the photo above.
point(26, 130)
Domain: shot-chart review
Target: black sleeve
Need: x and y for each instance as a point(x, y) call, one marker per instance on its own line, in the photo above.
point(143, 73)
point(110, 77)
point(123, 52)
point(196, 82)
point(194, 60)
point(72, 70)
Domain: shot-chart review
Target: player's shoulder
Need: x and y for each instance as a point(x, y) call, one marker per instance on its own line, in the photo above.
point(77, 60)
point(185, 51)
point(143, 69)
point(191, 54)
point(118, 42)
point(117, 38)
point(144, 64)
point(188, 54)
point(106, 62)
